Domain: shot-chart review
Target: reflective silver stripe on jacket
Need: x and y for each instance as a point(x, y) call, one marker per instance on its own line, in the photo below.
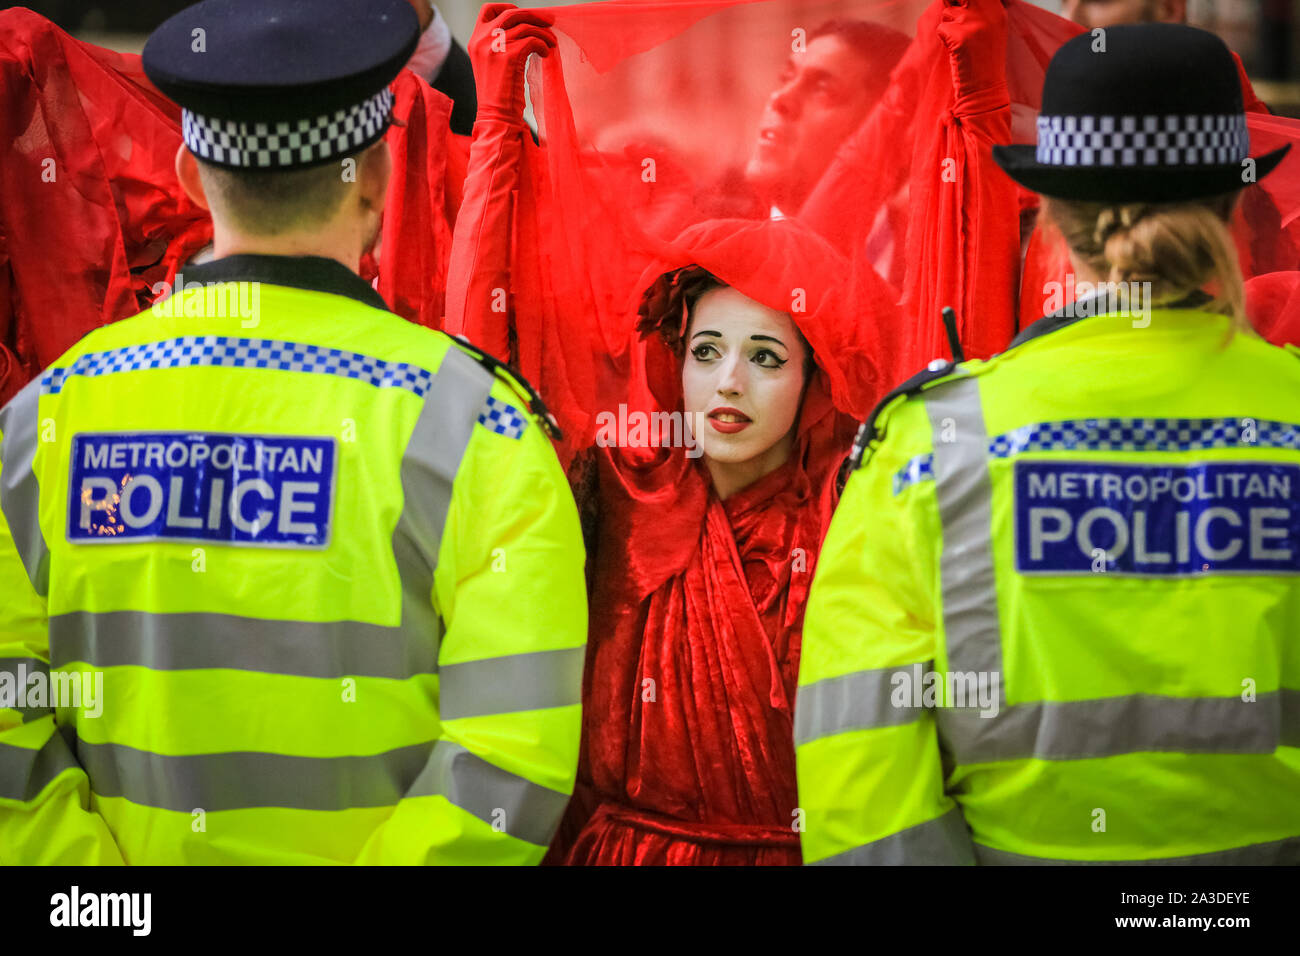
point(1276, 853)
point(24, 773)
point(943, 841)
point(964, 492)
point(249, 780)
point(245, 780)
point(19, 493)
point(195, 641)
point(326, 649)
point(510, 684)
point(1059, 730)
point(523, 809)
point(430, 462)
point(857, 701)
point(1290, 717)
point(20, 670)
point(1075, 730)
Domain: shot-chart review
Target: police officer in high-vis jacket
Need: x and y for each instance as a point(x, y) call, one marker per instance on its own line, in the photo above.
point(312, 571)
point(1057, 615)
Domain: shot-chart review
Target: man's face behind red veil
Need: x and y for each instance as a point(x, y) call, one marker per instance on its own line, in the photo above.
point(821, 97)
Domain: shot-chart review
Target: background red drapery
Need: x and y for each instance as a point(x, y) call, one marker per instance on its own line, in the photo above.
point(92, 215)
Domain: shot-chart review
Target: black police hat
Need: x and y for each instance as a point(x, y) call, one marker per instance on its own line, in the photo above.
point(1143, 113)
point(282, 84)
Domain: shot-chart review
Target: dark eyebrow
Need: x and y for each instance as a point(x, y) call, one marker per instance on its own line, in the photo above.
point(707, 332)
point(767, 338)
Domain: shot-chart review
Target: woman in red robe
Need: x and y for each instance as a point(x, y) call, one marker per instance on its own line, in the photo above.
point(699, 566)
point(703, 554)
point(702, 544)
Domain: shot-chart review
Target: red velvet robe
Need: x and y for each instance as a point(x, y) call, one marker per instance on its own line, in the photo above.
point(697, 603)
point(688, 737)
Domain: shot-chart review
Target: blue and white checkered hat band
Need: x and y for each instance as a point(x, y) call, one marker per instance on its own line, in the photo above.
point(1143, 140)
point(289, 143)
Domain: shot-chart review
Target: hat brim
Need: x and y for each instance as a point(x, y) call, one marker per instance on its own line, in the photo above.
point(1127, 183)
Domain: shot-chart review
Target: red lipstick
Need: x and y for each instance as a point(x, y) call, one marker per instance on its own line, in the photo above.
point(736, 420)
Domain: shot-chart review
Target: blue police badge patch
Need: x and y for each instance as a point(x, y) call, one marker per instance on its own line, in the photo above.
point(1208, 517)
point(258, 490)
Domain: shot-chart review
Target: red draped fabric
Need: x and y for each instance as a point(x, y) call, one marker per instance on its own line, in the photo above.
point(90, 212)
point(645, 113)
point(1273, 304)
point(645, 116)
point(972, 78)
point(92, 216)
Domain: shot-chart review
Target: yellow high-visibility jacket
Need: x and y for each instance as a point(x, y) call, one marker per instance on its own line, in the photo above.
point(1057, 614)
point(314, 573)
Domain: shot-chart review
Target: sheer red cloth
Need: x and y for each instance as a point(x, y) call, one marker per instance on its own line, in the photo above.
point(642, 127)
point(645, 124)
point(92, 216)
point(90, 212)
point(972, 78)
point(646, 115)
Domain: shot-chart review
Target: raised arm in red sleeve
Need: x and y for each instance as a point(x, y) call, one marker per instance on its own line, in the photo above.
point(973, 242)
point(478, 286)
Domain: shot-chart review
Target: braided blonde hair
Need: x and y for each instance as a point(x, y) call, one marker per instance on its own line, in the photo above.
point(1177, 247)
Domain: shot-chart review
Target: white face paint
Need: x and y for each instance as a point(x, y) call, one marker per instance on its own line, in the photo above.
point(742, 384)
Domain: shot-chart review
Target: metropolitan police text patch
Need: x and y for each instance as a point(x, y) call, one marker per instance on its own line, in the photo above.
point(261, 490)
point(1157, 519)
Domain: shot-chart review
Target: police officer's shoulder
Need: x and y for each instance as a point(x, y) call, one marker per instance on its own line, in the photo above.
point(500, 416)
point(102, 338)
point(937, 374)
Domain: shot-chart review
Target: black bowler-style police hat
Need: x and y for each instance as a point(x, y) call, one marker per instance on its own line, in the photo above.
point(1144, 113)
point(282, 84)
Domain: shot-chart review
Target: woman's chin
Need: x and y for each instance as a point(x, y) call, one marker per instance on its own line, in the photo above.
point(728, 453)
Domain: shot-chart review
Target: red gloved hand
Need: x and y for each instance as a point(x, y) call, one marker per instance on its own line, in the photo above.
point(975, 34)
point(499, 48)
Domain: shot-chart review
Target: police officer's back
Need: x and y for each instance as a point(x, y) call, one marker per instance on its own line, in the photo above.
point(315, 569)
point(1085, 551)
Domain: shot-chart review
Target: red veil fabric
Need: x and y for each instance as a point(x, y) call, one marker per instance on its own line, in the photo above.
point(646, 116)
point(972, 78)
point(92, 216)
point(90, 212)
point(646, 113)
